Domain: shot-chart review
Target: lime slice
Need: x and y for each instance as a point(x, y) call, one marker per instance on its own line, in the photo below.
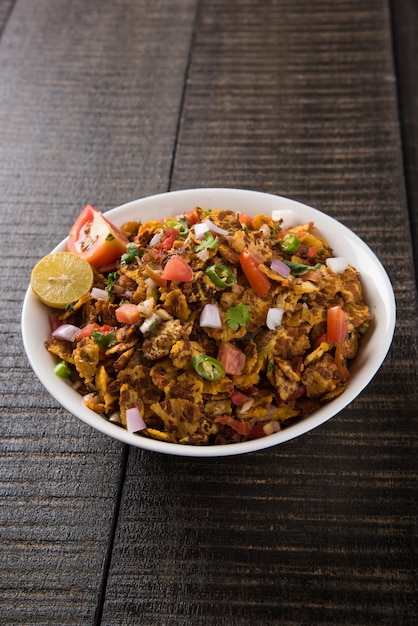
point(60, 278)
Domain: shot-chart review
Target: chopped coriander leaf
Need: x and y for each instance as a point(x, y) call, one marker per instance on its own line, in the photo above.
point(104, 340)
point(298, 269)
point(209, 243)
point(238, 315)
point(111, 279)
point(132, 251)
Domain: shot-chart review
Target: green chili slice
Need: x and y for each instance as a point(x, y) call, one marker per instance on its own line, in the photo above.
point(62, 369)
point(290, 243)
point(207, 367)
point(179, 225)
point(221, 276)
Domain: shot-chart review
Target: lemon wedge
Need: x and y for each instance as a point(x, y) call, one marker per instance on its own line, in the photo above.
point(60, 278)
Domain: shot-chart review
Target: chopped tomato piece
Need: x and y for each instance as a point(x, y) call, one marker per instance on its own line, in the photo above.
point(156, 276)
point(246, 220)
point(336, 324)
point(168, 238)
point(238, 398)
point(192, 217)
point(127, 313)
point(311, 252)
point(89, 329)
point(300, 392)
point(242, 428)
point(250, 266)
point(177, 269)
point(232, 358)
point(257, 431)
point(322, 337)
point(340, 362)
point(96, 239)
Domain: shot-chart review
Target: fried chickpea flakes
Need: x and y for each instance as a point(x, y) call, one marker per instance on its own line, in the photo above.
point(214, 327)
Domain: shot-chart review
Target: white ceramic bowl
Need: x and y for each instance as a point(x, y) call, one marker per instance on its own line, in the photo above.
point(378, 294)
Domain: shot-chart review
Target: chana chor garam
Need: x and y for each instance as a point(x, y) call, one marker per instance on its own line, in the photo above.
point(210, 327)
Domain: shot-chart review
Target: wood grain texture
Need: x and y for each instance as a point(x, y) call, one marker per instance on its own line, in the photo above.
point(299, 99)
point(405, 35)
point(89, 102)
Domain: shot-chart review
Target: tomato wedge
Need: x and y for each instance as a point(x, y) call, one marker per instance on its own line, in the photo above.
point(336, 324)
point(96, 239)
point(250, 266)
point(177, 269)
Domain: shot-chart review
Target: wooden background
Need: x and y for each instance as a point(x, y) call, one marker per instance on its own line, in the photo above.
point(106, 101)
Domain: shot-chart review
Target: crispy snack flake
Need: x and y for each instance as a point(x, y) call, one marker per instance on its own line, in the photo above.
point(267, 374)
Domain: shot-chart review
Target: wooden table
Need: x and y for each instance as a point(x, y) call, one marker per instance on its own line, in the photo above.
point(106, 101)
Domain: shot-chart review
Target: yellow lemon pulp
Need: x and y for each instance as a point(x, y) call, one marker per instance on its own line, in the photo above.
point(60, 278)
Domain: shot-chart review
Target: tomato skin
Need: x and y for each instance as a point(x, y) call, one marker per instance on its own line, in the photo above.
point(242, 428)
point(127, 313)
point(177, 269)
point(156, 276)
point(336, 324)
point(258, 281)
point(232, 358)
point(96, 239)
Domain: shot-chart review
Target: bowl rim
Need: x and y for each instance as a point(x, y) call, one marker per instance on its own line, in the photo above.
point(373, 351)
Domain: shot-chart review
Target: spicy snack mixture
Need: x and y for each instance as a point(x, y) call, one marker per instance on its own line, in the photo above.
point(213, 328)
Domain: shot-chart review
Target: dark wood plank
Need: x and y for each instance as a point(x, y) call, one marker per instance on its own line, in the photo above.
point(405, 39)
point(89, 102)
point(298, 99)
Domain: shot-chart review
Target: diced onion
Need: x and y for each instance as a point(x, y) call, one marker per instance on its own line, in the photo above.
point(163, 314)
point(146, 307)
point(149, 323)
point(280, 267)
point(286, 215)
point(271, 427)
point(151, 284)
point(210, 317)
point(134, 420)
point(99, 294)
point(200, 229)
point(155, 239)
point(337, 264)
point(216, 229)
point(203, 255)
point(274, 317)
point(66, 331)
point(265, 230)
point(246, 406)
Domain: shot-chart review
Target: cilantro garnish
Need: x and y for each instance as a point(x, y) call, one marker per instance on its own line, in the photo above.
point(132, 251)
point(104, 340)
point(209, 243)
point(238, 315)
point(111, 279)
point(298, 269)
